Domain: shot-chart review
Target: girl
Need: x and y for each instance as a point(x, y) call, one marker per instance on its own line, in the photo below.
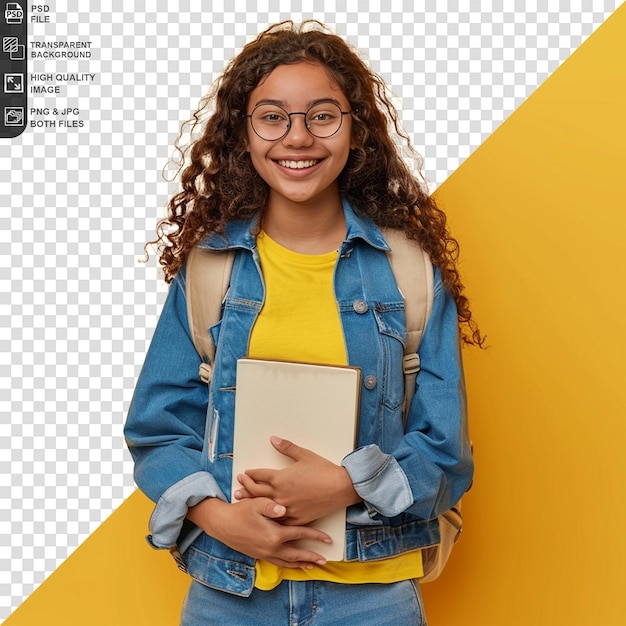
point(296, 170)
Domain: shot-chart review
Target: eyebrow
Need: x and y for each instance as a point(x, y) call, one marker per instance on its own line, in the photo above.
point(311, 103)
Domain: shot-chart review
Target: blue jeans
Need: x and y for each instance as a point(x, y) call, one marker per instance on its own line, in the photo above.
point(307, 603)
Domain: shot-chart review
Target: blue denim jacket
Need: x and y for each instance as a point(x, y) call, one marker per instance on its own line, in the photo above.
point(180, 432)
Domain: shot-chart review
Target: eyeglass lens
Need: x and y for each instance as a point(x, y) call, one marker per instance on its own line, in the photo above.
point(272, 122)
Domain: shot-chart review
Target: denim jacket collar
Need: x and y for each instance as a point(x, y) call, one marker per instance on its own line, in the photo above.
point(240, 234)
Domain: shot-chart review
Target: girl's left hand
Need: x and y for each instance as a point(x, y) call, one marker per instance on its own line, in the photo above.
point(309, 488)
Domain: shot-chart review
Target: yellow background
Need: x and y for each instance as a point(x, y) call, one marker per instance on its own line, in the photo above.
point(540, 210)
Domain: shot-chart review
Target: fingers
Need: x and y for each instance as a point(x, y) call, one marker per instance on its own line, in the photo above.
point(256, 478)
point(250, 488)
point(287, 448)
point(286, 534)
point(294, 533)
point(254, 527)
point(272, 510)
point(242, 493)
point(295, 564)
point(288, 560)
point(300, 557)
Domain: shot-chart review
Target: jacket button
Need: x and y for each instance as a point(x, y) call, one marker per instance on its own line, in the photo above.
point(370, 382)
point(360, 306)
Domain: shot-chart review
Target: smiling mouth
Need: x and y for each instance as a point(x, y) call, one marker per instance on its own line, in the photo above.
point(298, 165)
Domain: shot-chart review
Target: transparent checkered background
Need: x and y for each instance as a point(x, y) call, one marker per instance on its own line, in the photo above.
point(77, 308)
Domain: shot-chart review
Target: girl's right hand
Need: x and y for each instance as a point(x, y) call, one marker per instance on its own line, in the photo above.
point(251, 526)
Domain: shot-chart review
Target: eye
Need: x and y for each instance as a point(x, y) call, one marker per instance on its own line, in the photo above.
point(324, 114)
point(322, 117)
point(272, 117)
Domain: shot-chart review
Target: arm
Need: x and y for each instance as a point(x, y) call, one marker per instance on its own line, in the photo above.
point(253, 527)
point(425, 475)
point(165, 434)
point(432, 466)
point(311, 487)
point(165, 425)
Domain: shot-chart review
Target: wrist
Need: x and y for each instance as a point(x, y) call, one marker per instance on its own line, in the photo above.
point(347, 491)
point(204, 514)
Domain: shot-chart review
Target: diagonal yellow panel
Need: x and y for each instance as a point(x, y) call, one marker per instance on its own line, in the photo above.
point(114, 578)
point(540, 210)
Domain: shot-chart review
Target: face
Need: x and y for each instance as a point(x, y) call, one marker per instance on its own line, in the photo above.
point(299, 168)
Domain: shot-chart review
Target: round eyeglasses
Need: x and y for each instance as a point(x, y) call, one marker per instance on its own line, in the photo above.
point(271, 122)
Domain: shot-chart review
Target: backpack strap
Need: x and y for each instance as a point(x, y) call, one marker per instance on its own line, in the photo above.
point(207, 279)
point(413, 272)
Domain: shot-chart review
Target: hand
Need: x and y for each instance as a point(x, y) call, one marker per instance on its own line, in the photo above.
point(251, 527)
point(309, 488)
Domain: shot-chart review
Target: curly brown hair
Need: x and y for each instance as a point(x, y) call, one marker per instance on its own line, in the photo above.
point(220, 184)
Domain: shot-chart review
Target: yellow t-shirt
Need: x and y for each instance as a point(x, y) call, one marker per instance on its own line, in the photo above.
point(300, 321)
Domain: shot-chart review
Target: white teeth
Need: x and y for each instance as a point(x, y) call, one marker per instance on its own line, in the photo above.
point(297, 165)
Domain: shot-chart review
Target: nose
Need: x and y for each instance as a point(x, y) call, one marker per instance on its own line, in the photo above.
point(297, 133)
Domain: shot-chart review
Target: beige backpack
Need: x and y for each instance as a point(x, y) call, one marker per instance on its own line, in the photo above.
point(208, 278)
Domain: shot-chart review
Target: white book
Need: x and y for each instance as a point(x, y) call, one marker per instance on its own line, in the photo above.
point(314, 406)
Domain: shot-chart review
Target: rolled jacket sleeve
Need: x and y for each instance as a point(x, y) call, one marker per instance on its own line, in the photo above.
point(165, 425)
point(432, 467)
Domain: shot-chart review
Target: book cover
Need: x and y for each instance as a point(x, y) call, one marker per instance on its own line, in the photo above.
point(314, 406)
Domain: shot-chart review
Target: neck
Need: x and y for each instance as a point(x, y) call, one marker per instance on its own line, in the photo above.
point(306, 229)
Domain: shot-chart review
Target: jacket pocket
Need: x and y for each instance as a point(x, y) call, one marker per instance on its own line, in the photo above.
point(392, 352)
point(392, 338)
